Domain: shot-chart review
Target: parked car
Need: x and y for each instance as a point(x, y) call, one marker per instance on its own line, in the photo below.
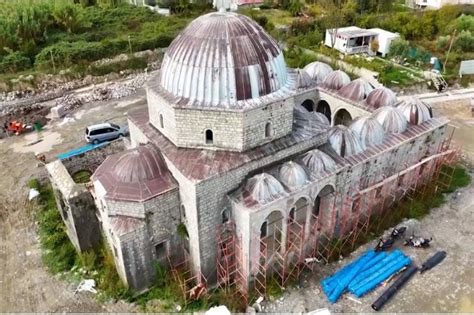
point(105, 132)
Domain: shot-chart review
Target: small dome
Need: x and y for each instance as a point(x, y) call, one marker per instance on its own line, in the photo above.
point(293, 175)
point(391, 118)
point(264, 188)
point(381, 97)
point(336, 80)
point(139, 165)
point(222, 58)
point(357, 90)
point(318, 71)
point(344, 141)
point(370, 131)
point(303, 80)
point(134, 175)
point(415, 111)
point(317, 162)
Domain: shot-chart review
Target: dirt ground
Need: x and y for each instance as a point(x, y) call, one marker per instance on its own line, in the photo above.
point(25, 286)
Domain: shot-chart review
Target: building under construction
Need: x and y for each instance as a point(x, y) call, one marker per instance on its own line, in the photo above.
point(242, 168)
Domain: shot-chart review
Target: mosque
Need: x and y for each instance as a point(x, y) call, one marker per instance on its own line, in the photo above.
point(234, 141)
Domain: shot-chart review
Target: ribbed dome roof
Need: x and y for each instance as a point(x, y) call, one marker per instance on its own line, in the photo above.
point(134, 175)
point(380, 97)
point(309, 123)
point(303, 80)
point(318, 71)
point(344, 141)
point(415, 111)
point(357, 90)
point(264, 188)
point(293, 175)
point(391, 118)
point(370, 131)
point(222, 58)
point(317, 162)
point(141, 164)
point(336, 80)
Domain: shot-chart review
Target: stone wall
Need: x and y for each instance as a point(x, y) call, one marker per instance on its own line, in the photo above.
point(76, 206)
point(91, 160)
point(212, 198)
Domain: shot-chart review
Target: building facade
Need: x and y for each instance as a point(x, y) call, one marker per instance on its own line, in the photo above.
point(234, 140)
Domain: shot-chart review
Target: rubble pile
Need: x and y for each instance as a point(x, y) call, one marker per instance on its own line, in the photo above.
point(70, 102)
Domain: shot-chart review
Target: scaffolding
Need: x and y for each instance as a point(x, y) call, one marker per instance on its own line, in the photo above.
point(193, 285)
point(345, 221)
point(231, 268)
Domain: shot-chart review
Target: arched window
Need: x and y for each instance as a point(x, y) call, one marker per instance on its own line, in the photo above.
point(317, 204)
point(291, 218)
point(309, 105)
point(268, 129)
point(263, 230)
point(162, 125)
point(209, 136)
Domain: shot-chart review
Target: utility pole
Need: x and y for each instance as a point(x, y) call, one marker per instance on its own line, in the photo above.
point(449, 50)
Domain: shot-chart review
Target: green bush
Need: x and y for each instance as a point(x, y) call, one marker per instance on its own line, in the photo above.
point(14, 62)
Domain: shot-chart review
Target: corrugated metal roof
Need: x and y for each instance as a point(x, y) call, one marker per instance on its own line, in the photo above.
point(391, 118)
point(336, 80)
point(357, 90)
point(415, 110)
point(380, 97)
point(370, 131)
point(222, 58)
point(318, 71)
point(134, 175)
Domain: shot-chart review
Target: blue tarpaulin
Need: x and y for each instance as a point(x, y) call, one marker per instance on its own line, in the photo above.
point(364, 273)
point(80, 150)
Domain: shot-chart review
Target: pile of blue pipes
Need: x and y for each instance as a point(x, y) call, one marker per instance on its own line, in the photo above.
point(364, 274)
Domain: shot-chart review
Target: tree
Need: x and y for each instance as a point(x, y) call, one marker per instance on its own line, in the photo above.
point(399, 49)
point(295, 7)
point(336, 12)
point(68, 15)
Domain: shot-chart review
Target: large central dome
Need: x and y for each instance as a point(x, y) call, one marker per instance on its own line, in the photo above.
point(223, 58)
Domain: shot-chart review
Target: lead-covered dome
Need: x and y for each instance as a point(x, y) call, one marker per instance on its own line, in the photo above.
point(344, 141)
point(303, 80)
point(336, 80)
point(318, 71)
point(357, 90)
point(293, 175)
point(221, 58)
point(381, 97)
point(264, 188)
point(134, 175)
point(391, 118)
point(370, 131)
point(318, 162)
point(415, 110)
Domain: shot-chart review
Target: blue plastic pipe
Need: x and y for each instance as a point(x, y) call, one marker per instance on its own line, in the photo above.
point(405, 261)
point(368, 272)
point(344, 281)
point(374, 273)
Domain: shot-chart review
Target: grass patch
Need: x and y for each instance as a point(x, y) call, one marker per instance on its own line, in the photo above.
point(60, 256)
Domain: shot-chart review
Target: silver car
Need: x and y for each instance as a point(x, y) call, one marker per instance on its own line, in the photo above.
point(105, 132)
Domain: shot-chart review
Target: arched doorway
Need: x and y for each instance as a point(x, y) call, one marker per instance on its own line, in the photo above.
point(342, 117)
point(309, 105)
point(322, 207)
point(323, 107)
point(271, 232)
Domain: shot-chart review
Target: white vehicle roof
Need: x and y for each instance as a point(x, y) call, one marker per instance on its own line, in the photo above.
point(99, 126)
